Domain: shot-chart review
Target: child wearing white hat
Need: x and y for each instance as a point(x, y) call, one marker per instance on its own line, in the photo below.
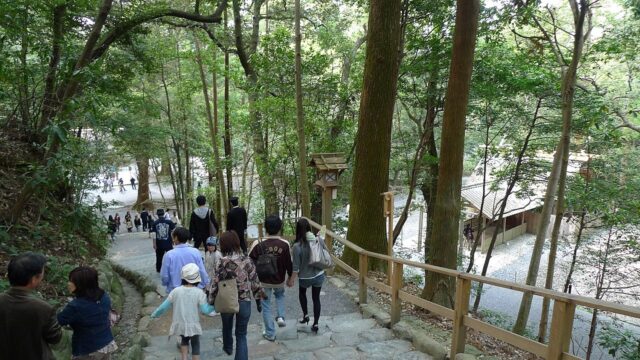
point(186, 300)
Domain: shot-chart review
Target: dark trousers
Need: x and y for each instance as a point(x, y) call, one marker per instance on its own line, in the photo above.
point(197, 242)
point(242, 320)
point(144, 224)
point(159, 254)
point(243, 243)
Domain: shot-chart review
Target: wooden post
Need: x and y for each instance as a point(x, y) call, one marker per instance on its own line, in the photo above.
point(327, 217)
point(483, 228)
point(260, 231)
point(362, 286)
point(463, 292)
point(327, 202)
point(561, 328)
point(396, 285)
point(504, 228)
point(388, 212)
point(420, 229)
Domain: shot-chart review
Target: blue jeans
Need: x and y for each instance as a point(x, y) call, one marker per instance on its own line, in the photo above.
point(242, 320)
point(269, 326)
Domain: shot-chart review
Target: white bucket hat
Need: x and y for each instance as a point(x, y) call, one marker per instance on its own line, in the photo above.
point(191, 273)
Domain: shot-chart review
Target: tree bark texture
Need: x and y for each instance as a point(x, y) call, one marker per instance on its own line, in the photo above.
point(445, 235)
point(143, 182)
point(373, 143)
point(261, 156)
point(303, 182)
point(213, 120)
point(553, 247)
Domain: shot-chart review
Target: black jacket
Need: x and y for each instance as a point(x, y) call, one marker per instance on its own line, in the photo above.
point(237, 221)
point(199, 226)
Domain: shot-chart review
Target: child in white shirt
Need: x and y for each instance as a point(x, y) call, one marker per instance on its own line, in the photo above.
point(186, 300)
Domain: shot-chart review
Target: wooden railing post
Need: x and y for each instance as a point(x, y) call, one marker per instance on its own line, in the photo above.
point(260, 231)
point(463, 292)
point(362, 286)
point(396, 285)
point(561, 328)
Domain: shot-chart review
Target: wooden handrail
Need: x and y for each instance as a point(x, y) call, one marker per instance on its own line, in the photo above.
point(562, 318)
point(552, 294)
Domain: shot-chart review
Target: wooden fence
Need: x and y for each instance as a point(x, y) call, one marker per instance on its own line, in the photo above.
point(563, 308)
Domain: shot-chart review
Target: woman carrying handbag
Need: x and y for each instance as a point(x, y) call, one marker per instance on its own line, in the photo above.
point(234, 282)
point(308, 275)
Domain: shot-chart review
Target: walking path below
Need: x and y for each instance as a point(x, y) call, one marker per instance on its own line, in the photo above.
point(343, 333)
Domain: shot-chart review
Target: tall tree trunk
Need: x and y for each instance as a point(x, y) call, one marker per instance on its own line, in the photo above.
point(373, 142)
point(142, 162)
point(568, 89)
point(303, 182)
point(213, 128)
point(178, 177)
point(413, 177)
point(227, 123)
point(23, 87)
point(48, 103)
point(337, 125)
point(555, 233)
point(261, 156)
point(176, 192)
point(427, 144)
point(188, 202)
point(246, 158)
point(429, 187)
point(445, 234)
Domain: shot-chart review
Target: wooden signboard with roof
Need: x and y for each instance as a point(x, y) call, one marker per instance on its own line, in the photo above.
point(328, 168)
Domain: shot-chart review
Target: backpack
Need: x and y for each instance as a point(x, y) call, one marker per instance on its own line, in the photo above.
point(319, 256)
point(266, 264)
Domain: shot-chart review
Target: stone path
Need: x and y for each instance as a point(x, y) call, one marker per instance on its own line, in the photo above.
point(343, 334)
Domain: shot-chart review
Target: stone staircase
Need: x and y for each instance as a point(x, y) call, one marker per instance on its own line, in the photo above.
point(346, 336)
point(344, 333)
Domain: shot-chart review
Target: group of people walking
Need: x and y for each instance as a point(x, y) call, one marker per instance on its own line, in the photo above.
point(107, 184)
point(231, 275)
point(142, 221)
point(225, 282)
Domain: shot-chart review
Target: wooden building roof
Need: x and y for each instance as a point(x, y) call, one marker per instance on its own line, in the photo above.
point(328, 161)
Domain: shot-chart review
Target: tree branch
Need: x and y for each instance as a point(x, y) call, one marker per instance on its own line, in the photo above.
point(626, 123)
point(124, 27)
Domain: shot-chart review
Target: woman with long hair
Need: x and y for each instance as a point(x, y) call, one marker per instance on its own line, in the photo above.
point(88, 316)
point(234, 264)
point(308, 276)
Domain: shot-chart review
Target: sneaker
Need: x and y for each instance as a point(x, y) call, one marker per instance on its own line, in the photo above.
point(212, 314)
point(280, 321)
point(267, 337)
